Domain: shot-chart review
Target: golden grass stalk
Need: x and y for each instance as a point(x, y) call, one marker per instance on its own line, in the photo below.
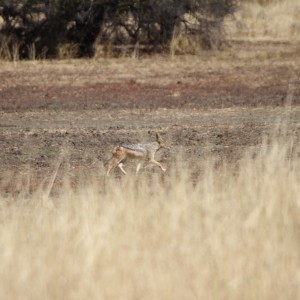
point(225, 234)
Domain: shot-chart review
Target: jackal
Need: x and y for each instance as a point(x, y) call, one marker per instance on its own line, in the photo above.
point(135, 151)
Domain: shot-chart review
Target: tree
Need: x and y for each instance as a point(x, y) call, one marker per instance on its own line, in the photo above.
point(48, 24)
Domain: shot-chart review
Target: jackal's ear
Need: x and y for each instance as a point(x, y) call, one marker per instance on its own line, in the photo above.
point(159, 138)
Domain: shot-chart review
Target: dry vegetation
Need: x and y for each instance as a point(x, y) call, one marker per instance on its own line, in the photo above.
point(266, 20)
point(254, 20)
point(226, 235)
point(210, 228)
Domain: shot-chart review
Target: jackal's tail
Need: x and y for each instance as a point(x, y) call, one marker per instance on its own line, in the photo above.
point(116, 150)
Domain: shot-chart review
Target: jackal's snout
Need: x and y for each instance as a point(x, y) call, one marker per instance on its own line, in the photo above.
point(161, 141)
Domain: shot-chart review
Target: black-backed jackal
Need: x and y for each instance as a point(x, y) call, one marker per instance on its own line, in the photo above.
point(135, 151)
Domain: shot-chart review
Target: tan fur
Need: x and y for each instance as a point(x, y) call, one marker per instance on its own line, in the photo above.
point(121, 153)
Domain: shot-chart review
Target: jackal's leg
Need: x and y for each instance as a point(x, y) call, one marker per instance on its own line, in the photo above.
point(138, 168)
point(114, 163)
point(110, 165)
point(108, 170)
point(158, 164)
point(116, 159)
point(120, 165)
point(152, 160)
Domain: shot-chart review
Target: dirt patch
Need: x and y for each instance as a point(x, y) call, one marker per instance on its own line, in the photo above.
point(34, 142)
point(196, 90)
point(76, 111)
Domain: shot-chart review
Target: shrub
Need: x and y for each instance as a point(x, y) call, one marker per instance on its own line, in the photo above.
point(49, 24)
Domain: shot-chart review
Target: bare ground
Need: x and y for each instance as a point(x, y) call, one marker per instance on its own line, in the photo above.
point(76, 111)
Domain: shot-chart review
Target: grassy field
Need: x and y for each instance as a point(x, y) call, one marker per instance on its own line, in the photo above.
point(229, 234)
point(221, 223)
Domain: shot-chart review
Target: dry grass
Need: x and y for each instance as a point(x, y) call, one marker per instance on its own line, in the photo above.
point(227, 235)
point(158, 69)
point(266, 20)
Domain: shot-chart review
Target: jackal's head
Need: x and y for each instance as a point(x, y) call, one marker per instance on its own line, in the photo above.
point(160, 141)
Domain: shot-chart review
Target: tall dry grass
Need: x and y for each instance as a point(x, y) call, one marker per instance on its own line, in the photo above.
point(266, 20)
point(228, 234)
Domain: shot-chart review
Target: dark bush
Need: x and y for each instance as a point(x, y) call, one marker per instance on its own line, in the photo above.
point(47, 25)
